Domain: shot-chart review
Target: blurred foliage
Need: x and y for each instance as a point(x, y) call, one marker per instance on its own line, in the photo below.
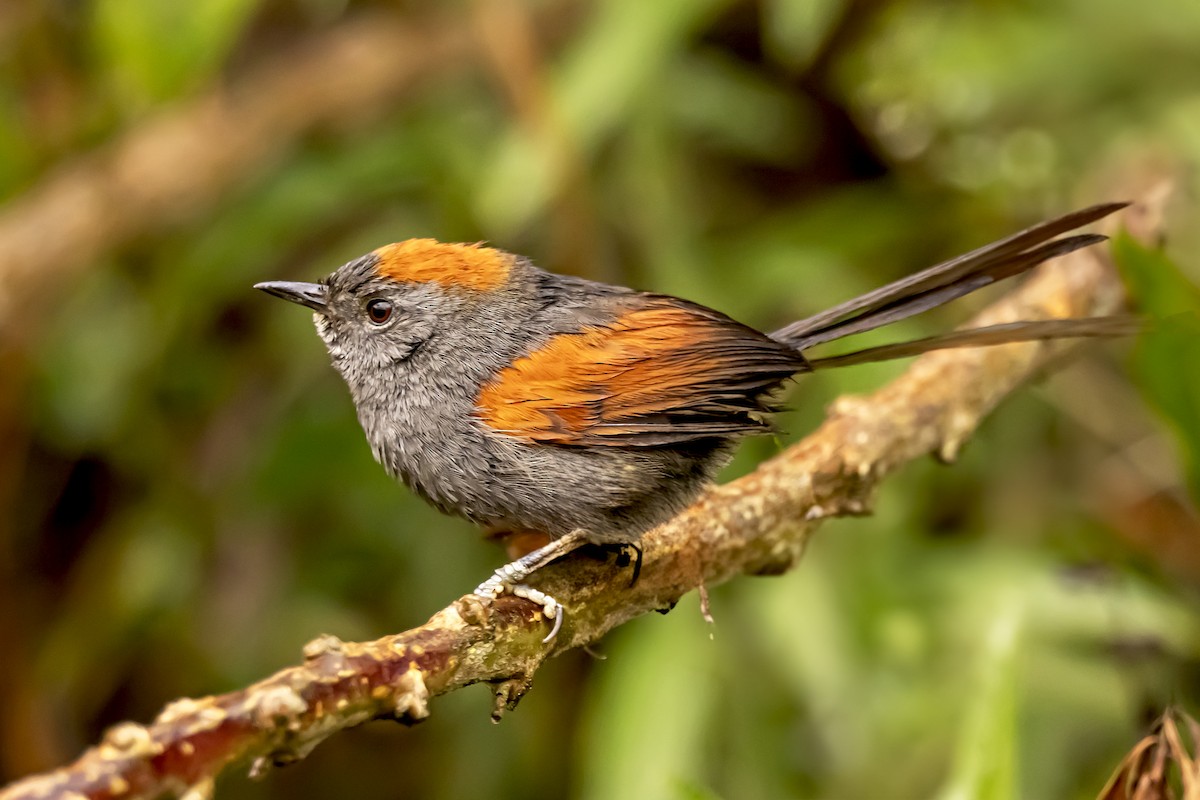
point(186, 497)
point(1161, 291)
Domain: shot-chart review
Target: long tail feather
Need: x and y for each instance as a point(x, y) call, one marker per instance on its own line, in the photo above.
point(947, 281)
point(1118, 325)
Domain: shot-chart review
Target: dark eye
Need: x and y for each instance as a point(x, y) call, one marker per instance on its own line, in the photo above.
point(379, 310)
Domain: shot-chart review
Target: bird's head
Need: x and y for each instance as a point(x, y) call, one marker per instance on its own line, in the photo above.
point(381, 309)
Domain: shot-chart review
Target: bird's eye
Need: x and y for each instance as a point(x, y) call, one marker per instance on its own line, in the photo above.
point(379, 310)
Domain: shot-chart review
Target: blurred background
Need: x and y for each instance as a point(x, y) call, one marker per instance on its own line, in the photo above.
point(186, 497)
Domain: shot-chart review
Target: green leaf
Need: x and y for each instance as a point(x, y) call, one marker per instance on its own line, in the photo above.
point(157, 49)
point(985, 765)
point(620, 56)
point(1162, 292)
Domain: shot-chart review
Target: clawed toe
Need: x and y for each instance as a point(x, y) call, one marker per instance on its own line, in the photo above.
point(496, 586)
point(508, 579)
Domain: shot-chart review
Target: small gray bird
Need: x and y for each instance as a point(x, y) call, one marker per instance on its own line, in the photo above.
point(535, 403)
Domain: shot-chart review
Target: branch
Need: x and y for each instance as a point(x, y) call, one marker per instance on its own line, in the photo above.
point(755, 525)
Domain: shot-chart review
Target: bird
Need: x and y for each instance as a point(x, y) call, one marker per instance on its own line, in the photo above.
point(530, 402)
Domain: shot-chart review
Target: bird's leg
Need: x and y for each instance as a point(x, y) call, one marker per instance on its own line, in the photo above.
point(508, 579)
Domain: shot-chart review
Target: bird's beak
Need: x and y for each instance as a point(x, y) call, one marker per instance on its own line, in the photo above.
point(313, 295)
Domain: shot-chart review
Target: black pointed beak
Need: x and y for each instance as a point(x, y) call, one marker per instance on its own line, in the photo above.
point(313, 295)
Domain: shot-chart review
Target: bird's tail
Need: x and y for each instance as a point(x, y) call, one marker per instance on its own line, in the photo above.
point(944, 282)
point(1079, 328)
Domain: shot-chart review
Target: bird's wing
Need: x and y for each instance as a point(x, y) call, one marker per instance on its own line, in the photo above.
point(662, 372)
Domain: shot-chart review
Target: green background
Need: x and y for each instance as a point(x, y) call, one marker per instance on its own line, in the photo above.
point(186, 498)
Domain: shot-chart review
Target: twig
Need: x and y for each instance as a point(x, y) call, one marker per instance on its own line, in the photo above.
point(755, 525)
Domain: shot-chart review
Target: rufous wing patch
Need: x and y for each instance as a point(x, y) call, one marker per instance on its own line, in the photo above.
point(665, 371)
point(466, 266)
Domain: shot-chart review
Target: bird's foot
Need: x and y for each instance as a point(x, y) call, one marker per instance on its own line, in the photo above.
point(509, 579)
point(495, 586)
point(624, 559)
